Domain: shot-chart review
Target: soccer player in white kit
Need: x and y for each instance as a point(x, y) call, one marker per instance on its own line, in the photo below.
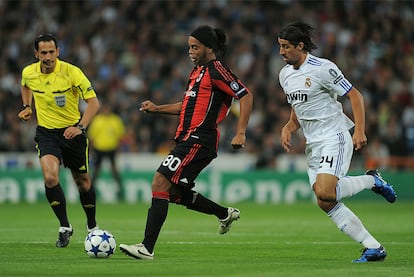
point(312, 85)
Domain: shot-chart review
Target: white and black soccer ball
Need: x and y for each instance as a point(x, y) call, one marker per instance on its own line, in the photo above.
point(100, 244)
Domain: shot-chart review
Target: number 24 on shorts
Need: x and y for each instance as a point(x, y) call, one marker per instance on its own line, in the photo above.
point(328, 160)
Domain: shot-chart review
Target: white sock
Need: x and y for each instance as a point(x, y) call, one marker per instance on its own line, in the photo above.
point(350, 224)
point(350, 185)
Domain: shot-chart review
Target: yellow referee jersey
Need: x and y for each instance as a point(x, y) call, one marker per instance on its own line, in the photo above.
point(105, 131)
point(57, 94)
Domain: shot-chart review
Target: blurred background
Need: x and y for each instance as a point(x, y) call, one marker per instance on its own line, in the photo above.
point(137, 50)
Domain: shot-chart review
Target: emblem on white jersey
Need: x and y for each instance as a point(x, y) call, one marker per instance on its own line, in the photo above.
point(308, 82)
point(333, 73)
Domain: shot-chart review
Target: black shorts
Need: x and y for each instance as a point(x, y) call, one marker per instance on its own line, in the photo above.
point(72, 152)
point(185, 162)
point(100, 155)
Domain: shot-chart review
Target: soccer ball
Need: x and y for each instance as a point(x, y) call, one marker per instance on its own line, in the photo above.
point(100, 244)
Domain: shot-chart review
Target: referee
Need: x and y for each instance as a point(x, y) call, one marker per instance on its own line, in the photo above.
point(56, 87)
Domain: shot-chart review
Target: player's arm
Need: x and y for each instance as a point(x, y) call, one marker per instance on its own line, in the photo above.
point(246, 106)
point(90, 111)
point(26, 111)
point(290, 127)
point(149, 107)
point(357, 103)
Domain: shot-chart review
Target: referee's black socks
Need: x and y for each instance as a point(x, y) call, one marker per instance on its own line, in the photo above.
point(57, 201)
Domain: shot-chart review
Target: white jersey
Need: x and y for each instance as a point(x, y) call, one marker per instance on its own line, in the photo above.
point(312, 91)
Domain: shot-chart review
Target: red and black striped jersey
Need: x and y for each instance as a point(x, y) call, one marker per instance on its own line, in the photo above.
point(210, 92)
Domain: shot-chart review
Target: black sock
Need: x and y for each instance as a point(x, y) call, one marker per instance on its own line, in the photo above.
point(57, 201)
point(197, 202)
point(157, 214)
point(88, 201)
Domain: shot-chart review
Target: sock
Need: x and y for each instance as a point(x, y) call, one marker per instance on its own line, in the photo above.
point(157, 214)
point(197, 202)
point(88, 201)
point(351, 225)
point(57, 201)
point(350, 185)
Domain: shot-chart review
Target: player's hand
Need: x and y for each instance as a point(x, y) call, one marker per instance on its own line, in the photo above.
point(147, 106)
point(285, 139)
point(360, 140)
point(238, 141)
point(72, 132)
point(25, 114)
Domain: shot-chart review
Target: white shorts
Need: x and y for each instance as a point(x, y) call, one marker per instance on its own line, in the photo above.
point(332, 156)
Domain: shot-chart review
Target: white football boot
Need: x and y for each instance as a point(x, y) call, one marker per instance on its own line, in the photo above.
point(138, 251)
point(225, 224)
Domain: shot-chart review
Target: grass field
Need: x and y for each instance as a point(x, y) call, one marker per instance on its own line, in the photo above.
point(268, 240)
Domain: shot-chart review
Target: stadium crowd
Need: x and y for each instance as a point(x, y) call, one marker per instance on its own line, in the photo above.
point(136, 50)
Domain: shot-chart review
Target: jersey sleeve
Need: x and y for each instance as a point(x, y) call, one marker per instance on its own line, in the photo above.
point(332, 78)
point(227, 82)
point(26, 72)
point(81, 84)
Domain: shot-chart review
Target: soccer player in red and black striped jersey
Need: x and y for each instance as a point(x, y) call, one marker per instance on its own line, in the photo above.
point(207, 99)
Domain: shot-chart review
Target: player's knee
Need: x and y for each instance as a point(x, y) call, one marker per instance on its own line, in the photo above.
point(326, 206)
point(160, 183)
point(175, 195)
point(51, 180)
point(324, 193)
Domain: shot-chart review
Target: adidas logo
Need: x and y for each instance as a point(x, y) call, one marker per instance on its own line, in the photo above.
point(83, 167)
point(184, 180)
point(54, 203)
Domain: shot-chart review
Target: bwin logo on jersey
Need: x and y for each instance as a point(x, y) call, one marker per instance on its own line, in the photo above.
point(297, 96)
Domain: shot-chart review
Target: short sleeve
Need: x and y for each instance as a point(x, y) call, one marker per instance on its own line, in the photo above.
point(332, 78)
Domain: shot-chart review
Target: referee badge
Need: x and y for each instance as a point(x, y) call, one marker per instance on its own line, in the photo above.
point(60, 100)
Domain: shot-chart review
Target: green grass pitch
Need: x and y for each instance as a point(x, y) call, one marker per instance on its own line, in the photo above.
point(268, 240)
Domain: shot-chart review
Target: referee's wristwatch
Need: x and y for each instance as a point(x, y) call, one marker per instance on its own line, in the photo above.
point(82, 128)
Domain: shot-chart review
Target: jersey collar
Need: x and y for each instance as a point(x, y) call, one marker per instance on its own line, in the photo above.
point(57, 66)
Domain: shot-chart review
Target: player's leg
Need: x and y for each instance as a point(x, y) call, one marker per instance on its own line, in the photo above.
point(347, 222)
point(75, 157)
point(195, 157)
point(115, 173)
point(56, 197)
point(333, 164)
point(50, 155)
point(87, 196)
point(350, 224)
point(348, 186)
point(97, 163)
point(197, 202)
point(156, 216)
